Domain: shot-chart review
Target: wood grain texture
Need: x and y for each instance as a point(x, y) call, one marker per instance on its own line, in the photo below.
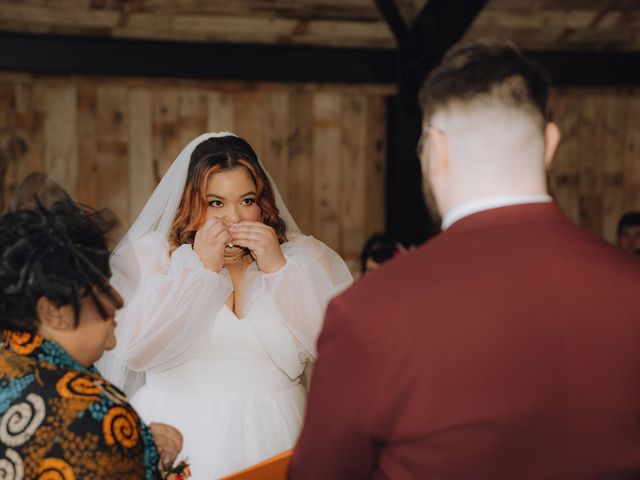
point(327, 168)
point(567, 25)
point(8, 160)
point(193, 108)
point(220, 112)
point(29, 124)
point(301, 186)
point(141, 168)
point(166, 144)
point(376, 155)
point(275, 155)
point(108, 141)
point(112, 108)
point(614, 116)
point(354, 177)
point(595, 176)
point(61, 135)
point(250, 119)
point(564, 175)
point(89, 181)
point(591, 152)
point(631, 163)
point(540, 25)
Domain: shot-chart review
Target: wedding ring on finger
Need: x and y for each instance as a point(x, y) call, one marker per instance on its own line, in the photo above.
point(230, 245)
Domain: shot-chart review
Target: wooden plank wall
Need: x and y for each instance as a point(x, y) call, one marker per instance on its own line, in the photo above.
point(108, 141)
point(596, 174)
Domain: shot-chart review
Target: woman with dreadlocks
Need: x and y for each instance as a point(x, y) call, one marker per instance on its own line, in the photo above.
point(58, 416)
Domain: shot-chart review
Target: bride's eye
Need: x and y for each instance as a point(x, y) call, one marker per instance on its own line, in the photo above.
point(215, 203)
point(248, 201)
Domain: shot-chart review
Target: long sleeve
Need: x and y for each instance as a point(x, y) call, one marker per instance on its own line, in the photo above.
point(170, 316)
point(286, 308)
point(337, 440)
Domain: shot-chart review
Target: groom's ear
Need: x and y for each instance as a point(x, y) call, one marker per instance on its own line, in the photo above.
point(552, 137)
point(438, 158)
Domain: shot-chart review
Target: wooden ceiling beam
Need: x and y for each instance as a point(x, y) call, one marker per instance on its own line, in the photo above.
point(439, 25)
point(56, 54)
point(595, 68)
point(52, 54)
point(202, 22)
point(389, 11)
point(541, 24)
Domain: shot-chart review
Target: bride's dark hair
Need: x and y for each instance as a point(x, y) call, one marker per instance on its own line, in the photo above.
point(212, 156)
point(58, 252)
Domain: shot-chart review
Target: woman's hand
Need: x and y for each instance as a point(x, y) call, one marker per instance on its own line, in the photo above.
point(263, 242)
point(210, 242)
point(168, 440)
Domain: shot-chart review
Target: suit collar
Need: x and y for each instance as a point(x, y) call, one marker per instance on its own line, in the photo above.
point(488, 203)
point(508, 216)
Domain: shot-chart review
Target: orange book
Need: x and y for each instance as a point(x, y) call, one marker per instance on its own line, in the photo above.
point(274, 468)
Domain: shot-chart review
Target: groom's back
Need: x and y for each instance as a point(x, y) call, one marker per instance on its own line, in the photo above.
point(508, 347)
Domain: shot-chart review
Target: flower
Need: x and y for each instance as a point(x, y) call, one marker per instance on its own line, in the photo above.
point(181, 471)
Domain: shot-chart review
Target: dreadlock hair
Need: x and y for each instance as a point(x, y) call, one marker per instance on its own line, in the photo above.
point(60, 253)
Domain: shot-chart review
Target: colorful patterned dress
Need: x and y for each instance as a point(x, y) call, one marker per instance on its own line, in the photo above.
point(59, 419)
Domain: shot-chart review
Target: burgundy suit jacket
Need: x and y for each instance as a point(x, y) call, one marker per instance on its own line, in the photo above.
point(508, 347)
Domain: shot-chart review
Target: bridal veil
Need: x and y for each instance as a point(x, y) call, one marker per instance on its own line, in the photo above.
point(141, 262)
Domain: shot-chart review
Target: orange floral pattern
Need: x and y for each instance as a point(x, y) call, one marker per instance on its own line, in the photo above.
point(55, 469)
point(119, 425)
point(24, 343)
point(77, 384)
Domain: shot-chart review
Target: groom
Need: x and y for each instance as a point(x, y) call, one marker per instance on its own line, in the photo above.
point(506, 348)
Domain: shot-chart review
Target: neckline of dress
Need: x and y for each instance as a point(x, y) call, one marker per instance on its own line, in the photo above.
point(233, 314)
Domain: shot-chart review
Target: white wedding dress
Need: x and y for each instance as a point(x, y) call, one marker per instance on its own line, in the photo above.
point(231, 402)
point(231, 386)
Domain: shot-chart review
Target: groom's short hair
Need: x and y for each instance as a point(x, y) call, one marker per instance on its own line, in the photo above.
point(489, 70)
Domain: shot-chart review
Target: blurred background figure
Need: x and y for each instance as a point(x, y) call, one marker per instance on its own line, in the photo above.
point(629, 232)
point(377, 250)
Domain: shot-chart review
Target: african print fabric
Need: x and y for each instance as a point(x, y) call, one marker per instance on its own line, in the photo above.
point(59, 419)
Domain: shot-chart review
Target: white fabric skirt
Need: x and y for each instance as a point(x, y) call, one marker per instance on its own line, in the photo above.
point(227, 432)
point(233, 405)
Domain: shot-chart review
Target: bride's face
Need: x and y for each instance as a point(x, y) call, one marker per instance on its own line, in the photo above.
point(231, 196)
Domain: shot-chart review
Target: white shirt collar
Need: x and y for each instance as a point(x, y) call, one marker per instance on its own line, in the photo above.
point(488, 203)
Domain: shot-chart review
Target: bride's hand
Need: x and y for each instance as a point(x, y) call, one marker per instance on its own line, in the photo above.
point(210, 243)
point(263, 242)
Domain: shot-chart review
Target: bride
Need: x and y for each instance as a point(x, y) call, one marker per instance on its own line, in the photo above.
point(224, 301)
